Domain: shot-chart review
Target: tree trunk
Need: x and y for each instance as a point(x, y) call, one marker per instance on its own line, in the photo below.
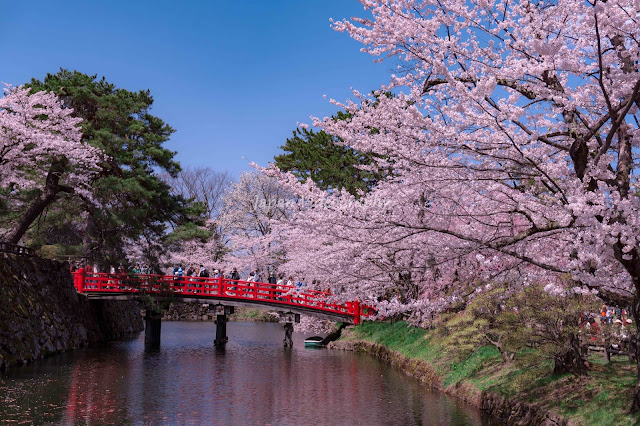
point(633, 347)
point(635, 406)
point(584, 350)
point(89, 238)
point(48, 195)
point(507, 356)
point(607, 346)
point(635, 310)
point(572, 361)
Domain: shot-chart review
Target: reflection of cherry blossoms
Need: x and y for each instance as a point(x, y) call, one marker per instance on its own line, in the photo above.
point(314, 325)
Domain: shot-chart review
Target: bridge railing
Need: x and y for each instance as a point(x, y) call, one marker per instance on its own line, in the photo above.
point(219, 288)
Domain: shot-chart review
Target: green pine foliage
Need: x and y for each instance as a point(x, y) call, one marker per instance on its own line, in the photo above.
point(515, 321)
point(485, 321)
point(551, 323)
point(133, 200)
point(320, 157)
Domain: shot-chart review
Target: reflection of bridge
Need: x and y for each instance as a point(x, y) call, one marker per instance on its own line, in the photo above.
point(221, 294)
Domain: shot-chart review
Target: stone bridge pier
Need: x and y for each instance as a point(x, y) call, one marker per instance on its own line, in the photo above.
point(152, 329)
point(221, 312)
point(153, 326)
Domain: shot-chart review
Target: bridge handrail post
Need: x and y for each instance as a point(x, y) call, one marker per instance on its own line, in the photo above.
point(356, 308)
point(80, 278)
point(75, 274)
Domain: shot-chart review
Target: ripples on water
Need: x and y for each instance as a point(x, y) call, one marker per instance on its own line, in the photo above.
point(253, 381)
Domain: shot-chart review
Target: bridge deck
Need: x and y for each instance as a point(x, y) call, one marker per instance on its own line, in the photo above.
point(294, 308)
point(228, 292)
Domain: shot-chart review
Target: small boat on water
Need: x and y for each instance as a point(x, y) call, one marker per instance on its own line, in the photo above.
point(314, 342)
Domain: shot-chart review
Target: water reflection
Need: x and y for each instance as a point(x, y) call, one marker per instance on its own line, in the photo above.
point(254, 381)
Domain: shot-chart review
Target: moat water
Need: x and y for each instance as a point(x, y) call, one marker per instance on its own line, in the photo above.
point(253, 381)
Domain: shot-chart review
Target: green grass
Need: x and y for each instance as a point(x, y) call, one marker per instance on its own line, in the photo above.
point(607, 397)
point(410, 341)
point(250, 314)
point(603, 397)
point(471, 365)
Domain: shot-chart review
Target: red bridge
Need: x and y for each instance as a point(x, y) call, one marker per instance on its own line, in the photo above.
point(220, 293)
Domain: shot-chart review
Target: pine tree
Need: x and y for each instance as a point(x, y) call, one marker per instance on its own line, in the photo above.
point(321, 157)
point(133, 199)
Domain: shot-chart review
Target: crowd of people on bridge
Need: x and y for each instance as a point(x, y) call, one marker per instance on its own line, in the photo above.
point(254, 276)
point(279, 281)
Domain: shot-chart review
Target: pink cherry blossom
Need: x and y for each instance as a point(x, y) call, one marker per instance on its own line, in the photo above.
point(512, 136)
point(41, 149)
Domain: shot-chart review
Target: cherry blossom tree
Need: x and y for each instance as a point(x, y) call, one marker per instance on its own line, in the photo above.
point(147, 250)
point(206, 187)
point(250, 207)
point(513, 139)
point(203, 248)
point(203, 184)
point(41, 150)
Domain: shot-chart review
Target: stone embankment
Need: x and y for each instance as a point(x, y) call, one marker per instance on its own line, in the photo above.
point(187, 311)
point(41, 314)
point(182, 311)
point(508, 411)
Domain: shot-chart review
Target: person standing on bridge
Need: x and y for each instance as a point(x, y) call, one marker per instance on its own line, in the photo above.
point(203, 272)
point(250, 280)
point(280, 286)
point(112, 273)
point(191, 272)
point(175, 272)
point(178, 276)
point(299, 288)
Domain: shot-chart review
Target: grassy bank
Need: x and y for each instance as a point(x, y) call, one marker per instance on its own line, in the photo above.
point(601, 398)
point(250, 314)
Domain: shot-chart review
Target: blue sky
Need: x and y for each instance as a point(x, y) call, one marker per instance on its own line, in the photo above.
point(233, 77)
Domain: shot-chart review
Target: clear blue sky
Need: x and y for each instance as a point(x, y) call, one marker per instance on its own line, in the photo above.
point(233, 77)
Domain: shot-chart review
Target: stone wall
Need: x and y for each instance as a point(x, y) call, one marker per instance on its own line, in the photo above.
point(41, 314)
point(183, 311)
point(191, 311)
